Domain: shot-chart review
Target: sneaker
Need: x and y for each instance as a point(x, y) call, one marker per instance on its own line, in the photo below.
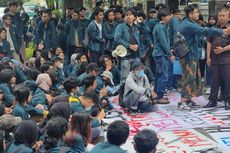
point(162, 101)
point(208, 91)
point(192, 104)
point(132, 112)
point(183, 106)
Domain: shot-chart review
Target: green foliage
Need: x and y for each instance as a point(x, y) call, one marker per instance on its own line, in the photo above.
point(57, 13)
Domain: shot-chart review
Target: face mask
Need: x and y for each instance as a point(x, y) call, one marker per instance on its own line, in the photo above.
point(61, 66)
point(88, 109)
point(139, 73)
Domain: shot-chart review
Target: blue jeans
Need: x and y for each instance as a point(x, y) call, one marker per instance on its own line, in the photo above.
point(162, 63)
point(125, 65)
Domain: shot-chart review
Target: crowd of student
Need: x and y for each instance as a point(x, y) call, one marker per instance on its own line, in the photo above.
point(56, 100)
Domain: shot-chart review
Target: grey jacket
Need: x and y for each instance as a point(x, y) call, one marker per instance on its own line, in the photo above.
point(139, 86)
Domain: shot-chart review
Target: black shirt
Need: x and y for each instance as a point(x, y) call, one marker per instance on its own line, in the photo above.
point(222, 41)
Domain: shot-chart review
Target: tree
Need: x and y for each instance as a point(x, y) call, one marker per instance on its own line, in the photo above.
point(74, 3)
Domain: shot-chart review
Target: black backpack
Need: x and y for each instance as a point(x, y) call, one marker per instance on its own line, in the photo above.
point(180, 45)
point(121, 95)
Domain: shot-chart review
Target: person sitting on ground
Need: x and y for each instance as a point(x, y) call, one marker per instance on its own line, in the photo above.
point(42, 95)
point(108, 65)
point(22, 109)
point(78, 136)
point(117, 134)
point(145, 141)
point(31, 76)
point(92, 69)
point(6, 77)
point(8, 123)
point(137, 93)
point(58, 66)
point(71, 88)
point(25, 137)
point(55, 130)
point(79, 66)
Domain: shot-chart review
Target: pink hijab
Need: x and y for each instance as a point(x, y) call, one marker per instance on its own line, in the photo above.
point(44, 81)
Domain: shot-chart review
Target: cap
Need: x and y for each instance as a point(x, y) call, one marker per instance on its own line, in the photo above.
point(136, 65)
point(109, 75)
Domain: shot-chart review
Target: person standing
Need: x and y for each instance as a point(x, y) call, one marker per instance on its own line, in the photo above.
point(128, 35)
point(162, 54)
point(83, 23)
point(72, 33)
point(95, 35)
point(218, 56)
point(191, 79)
point(118, 13)
point(46, 34)
point(17, 21)
point(173, 26)
point(11, 37)
point(109, 27)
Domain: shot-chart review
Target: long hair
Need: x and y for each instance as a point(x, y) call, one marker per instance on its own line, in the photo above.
point(80, 124)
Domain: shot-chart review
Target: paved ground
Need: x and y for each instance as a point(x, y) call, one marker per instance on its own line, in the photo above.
point(200, 130)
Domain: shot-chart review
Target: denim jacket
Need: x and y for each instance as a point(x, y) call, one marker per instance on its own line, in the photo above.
point(16, 20)
point(109, 30)
point(5, 49)
point(82, 25)
point(8, 96)
point(122, 37)
point(173, 25)
point(146, 39)
point(151, 23)
point(192, 33)
point(71, 27)
point(46, 34)
point(96, 43)
point(14, 35)
point(161, 41)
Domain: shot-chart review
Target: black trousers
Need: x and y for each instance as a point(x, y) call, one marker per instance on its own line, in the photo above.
point(220, 78)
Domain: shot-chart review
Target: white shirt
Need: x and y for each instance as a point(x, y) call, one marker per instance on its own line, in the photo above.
point(8, 37)
point(99, 25)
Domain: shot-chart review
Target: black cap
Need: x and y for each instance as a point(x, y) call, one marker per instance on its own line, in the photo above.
point(136, 65)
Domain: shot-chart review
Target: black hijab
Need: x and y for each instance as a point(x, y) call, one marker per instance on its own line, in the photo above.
point(26, 133)
point(45, 54)
point(60, 109)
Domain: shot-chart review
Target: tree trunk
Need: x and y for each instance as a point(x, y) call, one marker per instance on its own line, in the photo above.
point(57, 4)
point(74, 3)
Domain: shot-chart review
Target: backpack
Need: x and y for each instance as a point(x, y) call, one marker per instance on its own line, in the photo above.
point(121, 95)
point(180, 45)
